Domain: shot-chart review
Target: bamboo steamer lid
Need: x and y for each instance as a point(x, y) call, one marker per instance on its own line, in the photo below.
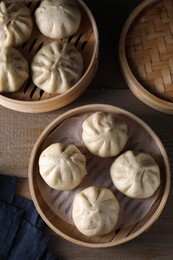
point(34, 100)
point(146, 53)
point(50, 203)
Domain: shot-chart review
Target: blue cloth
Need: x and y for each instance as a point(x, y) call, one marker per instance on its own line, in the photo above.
point(10, 220)
point(30, 213)
point(21, 227)
point(7, 188)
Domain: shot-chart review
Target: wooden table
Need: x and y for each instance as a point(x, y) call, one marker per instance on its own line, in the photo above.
point(19, 131)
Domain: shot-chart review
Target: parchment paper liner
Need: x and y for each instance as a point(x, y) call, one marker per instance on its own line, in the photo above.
point(131, 210)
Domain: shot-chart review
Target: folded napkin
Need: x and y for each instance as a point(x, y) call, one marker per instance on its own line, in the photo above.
point(21, 227)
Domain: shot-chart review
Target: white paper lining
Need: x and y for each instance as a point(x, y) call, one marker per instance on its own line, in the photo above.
point(98, 172)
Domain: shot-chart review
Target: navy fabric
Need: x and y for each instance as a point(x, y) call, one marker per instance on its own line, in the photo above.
point(10, 220)
point(7, 188)
point(21, 227)
point(29, 243)
point(30, 212)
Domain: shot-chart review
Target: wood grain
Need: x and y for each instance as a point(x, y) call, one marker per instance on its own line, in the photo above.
point(19, 131)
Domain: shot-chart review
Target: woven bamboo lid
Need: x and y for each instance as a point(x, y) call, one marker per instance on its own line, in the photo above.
point(146, 53)
point(55, 206)
point(31, 98)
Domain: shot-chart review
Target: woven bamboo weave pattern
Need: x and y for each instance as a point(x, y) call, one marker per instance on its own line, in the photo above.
point(149, 49)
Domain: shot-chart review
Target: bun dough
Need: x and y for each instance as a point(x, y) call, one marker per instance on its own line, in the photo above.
point(15, 24)
point(57, 67)
point(95, 211)
point(14, 69)
point(58, 19)
point(135, 174)
point(104, 134)
point(62, 166)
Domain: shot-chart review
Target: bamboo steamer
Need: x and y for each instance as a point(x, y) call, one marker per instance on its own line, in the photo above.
point(34, 100)
point(146, 53)
point(138, 139)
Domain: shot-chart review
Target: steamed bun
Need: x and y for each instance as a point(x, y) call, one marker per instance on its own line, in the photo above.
point(95, 211)
point(57, 67)
point(14, 69)
point(135, 174)
point(58, 19)
point(104, 134)
point(15, 24)
point(62, 166)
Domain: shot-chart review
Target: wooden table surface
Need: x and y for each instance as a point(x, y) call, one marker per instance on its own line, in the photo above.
point(19, 131)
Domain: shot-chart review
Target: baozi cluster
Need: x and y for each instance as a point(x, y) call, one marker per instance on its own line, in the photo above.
point(57, 66)
point(95, 210)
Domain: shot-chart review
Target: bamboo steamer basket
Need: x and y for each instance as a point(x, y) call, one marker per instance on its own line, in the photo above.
point(146, 53)
point(67, 230)
point(34, 100)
